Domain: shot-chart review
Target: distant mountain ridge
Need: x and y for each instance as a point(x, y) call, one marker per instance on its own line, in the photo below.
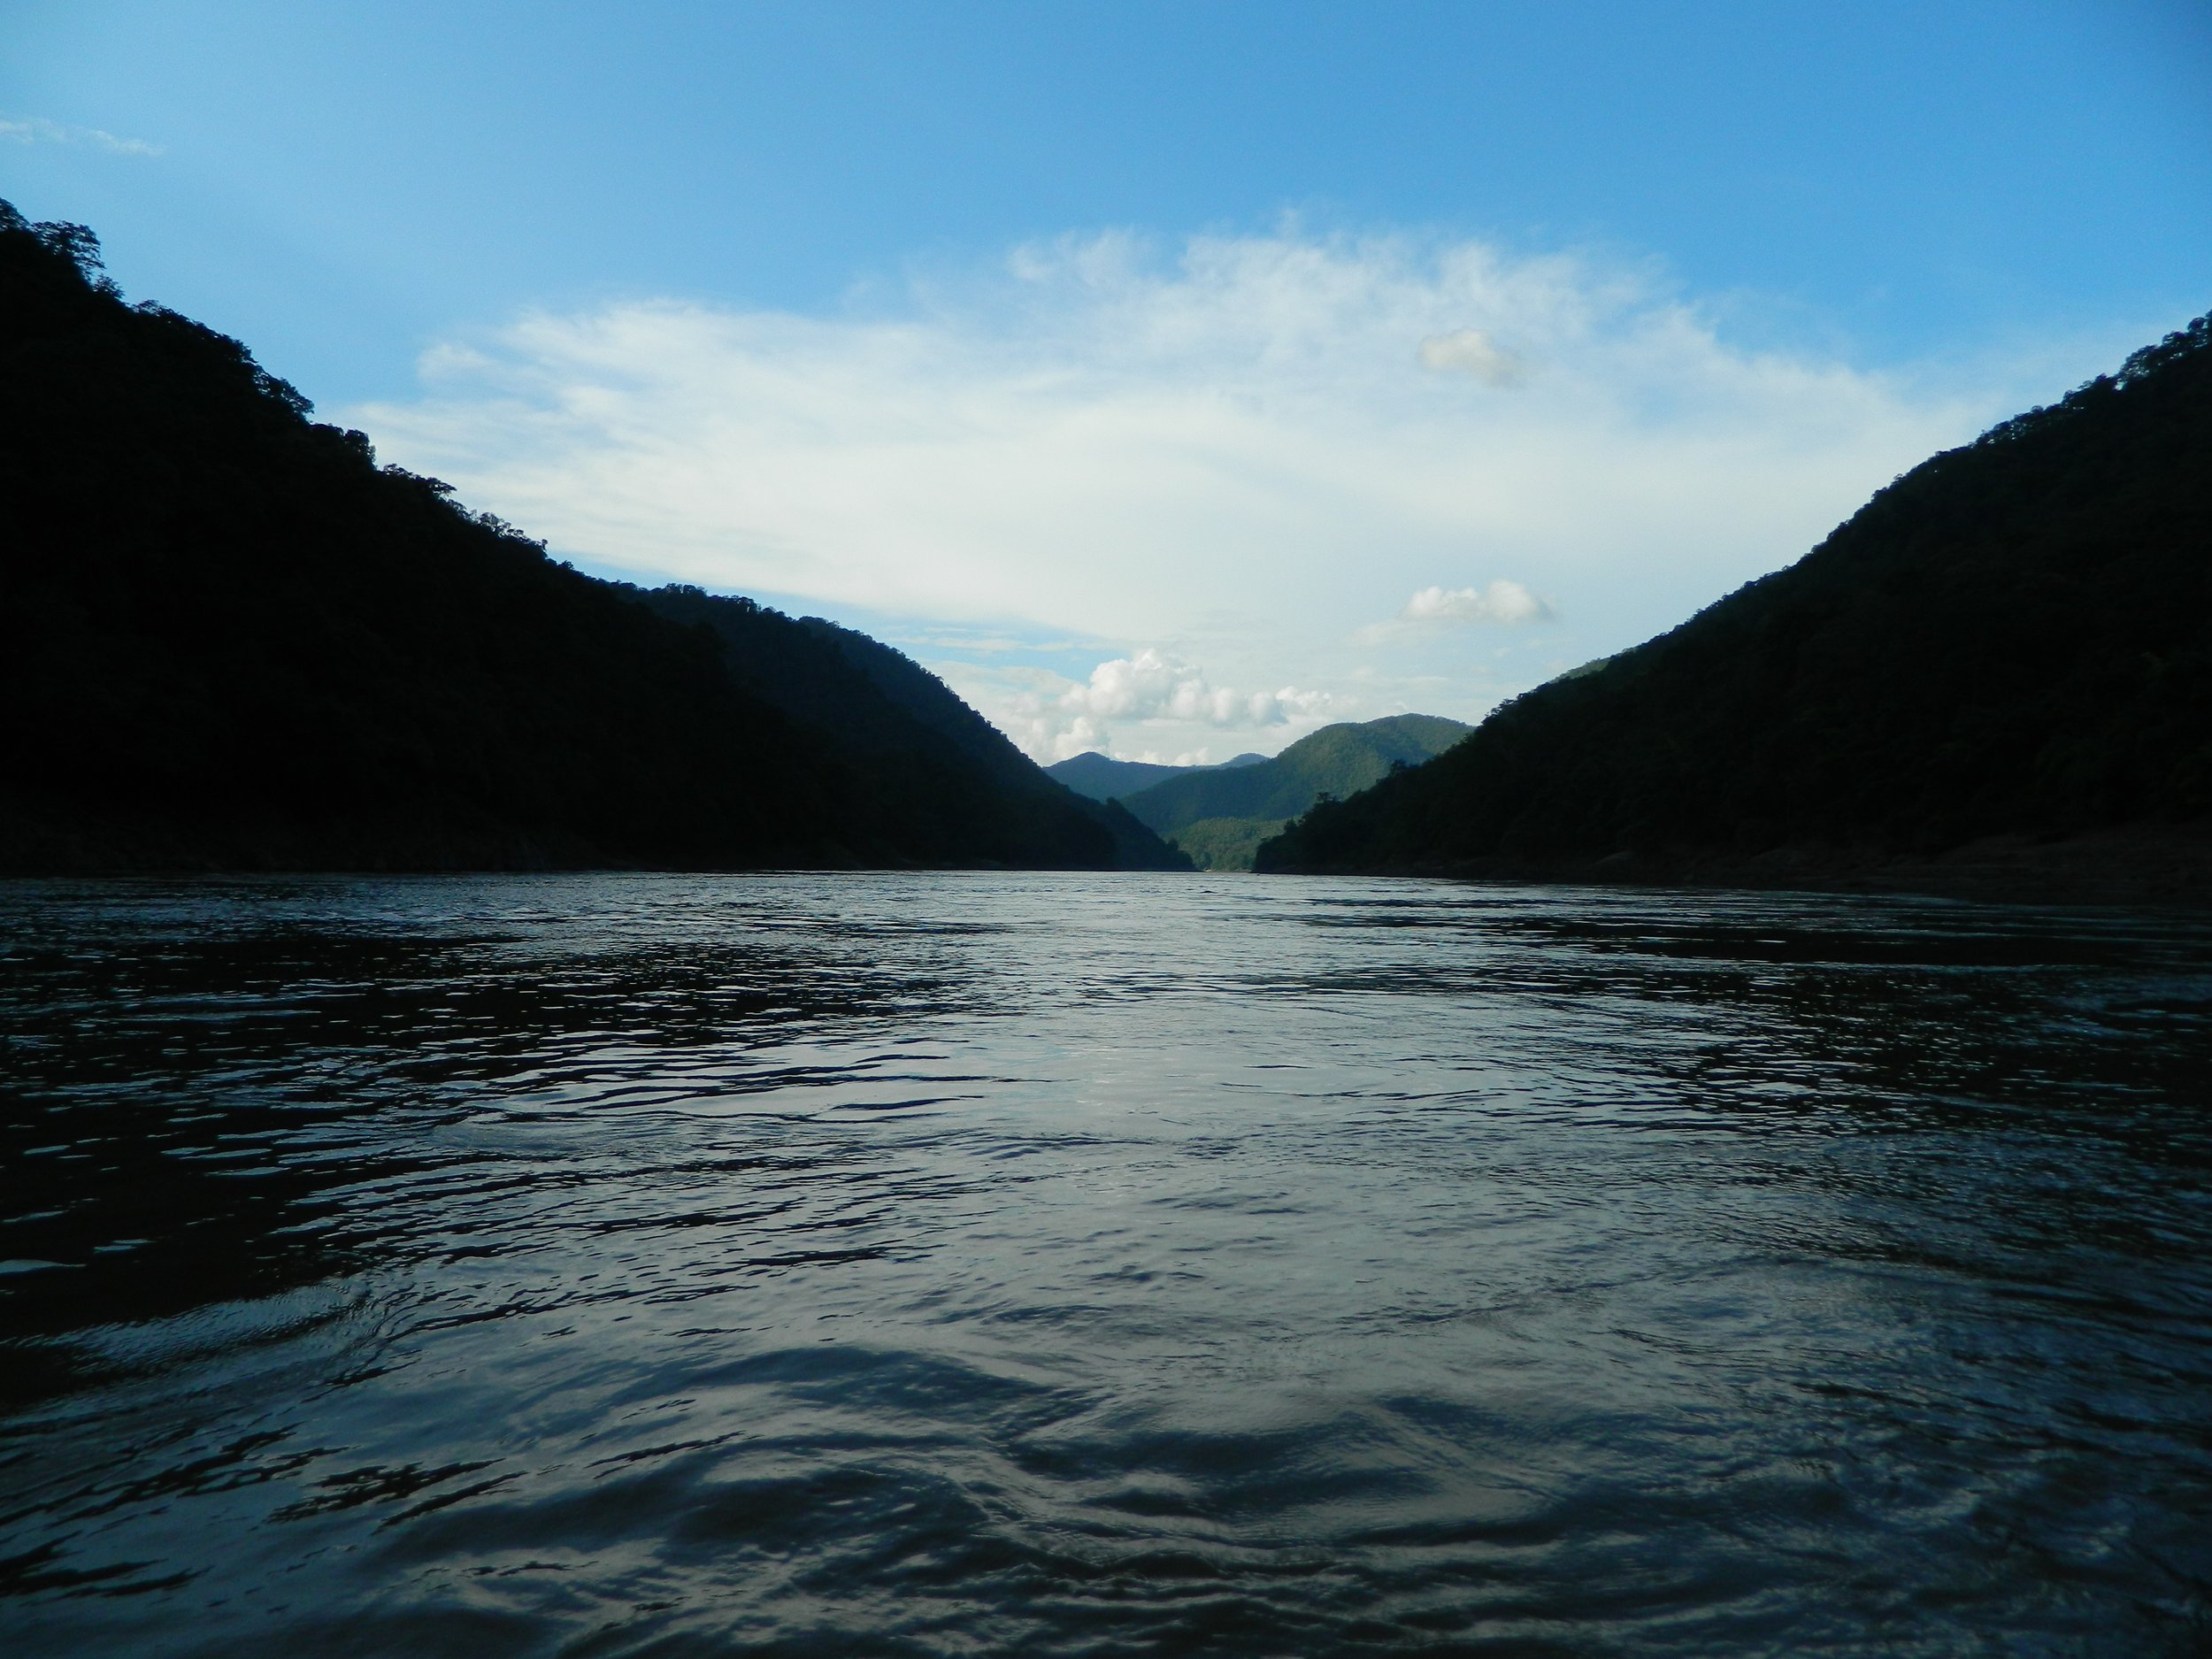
point(2000, 666)
point(1102, 777)
point(228, 639)
point(1218, 816)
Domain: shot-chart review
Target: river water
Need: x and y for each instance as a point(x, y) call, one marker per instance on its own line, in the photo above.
point(984, 1263)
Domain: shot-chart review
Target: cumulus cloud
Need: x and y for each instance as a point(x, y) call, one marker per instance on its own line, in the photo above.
point(1503, 603)
point(1499, 603)
point(1152, 688)
point(33, 129)
point(1471, 351)
point(1229, 449)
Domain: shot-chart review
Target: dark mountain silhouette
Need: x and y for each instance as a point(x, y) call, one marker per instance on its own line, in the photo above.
point(1102, 777)
point(1998, 671)
point(1220, 815)
point(229, 639)
point(920, 755)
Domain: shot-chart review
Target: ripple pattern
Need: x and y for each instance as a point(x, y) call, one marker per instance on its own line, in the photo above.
point(975, 1264)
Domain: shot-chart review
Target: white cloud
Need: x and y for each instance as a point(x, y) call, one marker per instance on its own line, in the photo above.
point(1053, 719)
point(1501, 603)
point(1227, 454)
point(1150, 686)
point(33, 129)
point(1471, 351)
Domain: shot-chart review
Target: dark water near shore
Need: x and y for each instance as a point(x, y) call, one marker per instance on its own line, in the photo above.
point(997, 1263)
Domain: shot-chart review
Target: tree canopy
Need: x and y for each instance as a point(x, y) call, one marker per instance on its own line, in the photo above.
point(2014, 638)
point(229, 638)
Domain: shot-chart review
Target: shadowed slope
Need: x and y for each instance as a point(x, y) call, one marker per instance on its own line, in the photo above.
point(919, 755)
point(2014, 639)
point(228, 639)
point(1102, 777)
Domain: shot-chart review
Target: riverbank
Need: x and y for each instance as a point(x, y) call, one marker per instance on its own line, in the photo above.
point(2133, 864)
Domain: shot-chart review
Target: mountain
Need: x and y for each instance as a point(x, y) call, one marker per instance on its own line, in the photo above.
point(921, 757)
point(1999, 671)
point(228, 639)
point(1102, 777)
point(1218, 816)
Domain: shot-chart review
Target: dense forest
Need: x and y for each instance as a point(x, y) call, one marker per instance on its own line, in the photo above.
point(1219, 815)
point(229, 639)
point(2013, 640)
point(916, 754)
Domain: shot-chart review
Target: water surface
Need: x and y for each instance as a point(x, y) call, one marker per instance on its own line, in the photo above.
point(980, 1264)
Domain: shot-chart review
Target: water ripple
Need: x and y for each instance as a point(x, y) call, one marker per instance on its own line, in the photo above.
point(1097, 1265)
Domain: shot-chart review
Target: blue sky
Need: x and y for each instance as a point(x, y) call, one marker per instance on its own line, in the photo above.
point(1189, 345)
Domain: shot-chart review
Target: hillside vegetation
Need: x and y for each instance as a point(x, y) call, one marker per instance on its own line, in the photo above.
point(919, 756)
point(228, 638)
point(1238, 806)
point(2013, 640)
point(1225, 843)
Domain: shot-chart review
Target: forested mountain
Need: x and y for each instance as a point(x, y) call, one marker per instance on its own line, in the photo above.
point(1219, 816)
point(1103, 778)
point(229, 639)
point(917, 754)
point(2012, 640)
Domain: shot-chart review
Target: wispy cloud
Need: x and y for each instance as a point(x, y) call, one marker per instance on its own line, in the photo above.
point(34, 129)
point(1227, 452)
point(1472, 352)
point(1501, 602)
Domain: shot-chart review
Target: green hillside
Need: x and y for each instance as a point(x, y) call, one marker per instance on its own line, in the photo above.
point(1337, 760)
point(1225, 843)
point(2013, 641)
point(229, 639)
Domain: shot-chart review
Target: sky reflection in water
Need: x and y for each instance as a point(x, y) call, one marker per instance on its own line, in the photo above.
point(944, 1263)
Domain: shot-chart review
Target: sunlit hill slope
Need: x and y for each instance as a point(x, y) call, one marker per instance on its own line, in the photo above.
point(1220, 815)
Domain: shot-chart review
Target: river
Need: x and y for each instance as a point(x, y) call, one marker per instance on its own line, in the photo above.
point(1060, 1264)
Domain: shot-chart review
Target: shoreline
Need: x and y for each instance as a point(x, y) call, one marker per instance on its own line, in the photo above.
point(2135, 865)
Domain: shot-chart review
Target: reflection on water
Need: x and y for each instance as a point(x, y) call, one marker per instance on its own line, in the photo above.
point(968, 1263)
